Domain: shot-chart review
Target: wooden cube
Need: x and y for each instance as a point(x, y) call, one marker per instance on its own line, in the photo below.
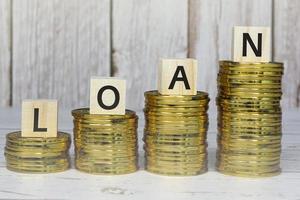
point(177, 77)
point(107, 96)
point(39, 118)
point(251, 44)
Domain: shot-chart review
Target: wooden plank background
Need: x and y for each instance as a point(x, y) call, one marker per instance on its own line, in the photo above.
point(287, 47)
point(50, 48)
point(5, 52)
point(57, 46)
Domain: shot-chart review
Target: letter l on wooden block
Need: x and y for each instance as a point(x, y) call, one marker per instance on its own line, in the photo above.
point(251, 44)
point(177, 77)
point(39, 118)
point(107, 96)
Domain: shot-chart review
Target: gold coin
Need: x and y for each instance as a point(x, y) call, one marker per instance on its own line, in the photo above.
point(250, 173)
point(175, 133)
point(37, 154)
point(246, 167)
point(251, 66)
point(155, 95)
point(15, 137)
point(174, 138)
point(249, 159)
point(176, 170)
point(26, 165)
point(249, 118)
point(105, 144)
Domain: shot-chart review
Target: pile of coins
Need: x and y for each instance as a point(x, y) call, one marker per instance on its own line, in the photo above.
point(249, 118)
point(105, 144)
point(37, 155)
point(175, 133)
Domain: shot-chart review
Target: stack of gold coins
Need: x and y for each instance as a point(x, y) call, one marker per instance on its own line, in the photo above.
point(175, 133)
point(37, 155)
point(105, 144)
point(249, 118)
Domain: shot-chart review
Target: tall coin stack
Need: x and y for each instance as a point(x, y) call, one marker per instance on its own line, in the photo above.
point(37, 154)
point(175, 133)
point(249, 119)
point(105, 144)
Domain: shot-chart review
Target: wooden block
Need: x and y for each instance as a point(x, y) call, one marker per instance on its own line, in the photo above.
point(177, 77)
point(107, 96)
point(39, 118)
point(251, 44)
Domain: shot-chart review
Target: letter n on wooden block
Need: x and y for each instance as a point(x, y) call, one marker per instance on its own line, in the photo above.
point(107, 96)
point(39, 118)
point(177, 77)
point(251, 44)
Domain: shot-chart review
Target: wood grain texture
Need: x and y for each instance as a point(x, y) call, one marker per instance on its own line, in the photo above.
point(41, 122)
point(5, 52)
point(287, 48)
point(144, 32)
point(111, 93)
point(210, 33)
point(254, 32)
point(177, 77)
point(58, 45)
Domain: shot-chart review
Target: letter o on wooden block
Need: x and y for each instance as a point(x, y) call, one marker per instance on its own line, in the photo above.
point(177, 77)
point(107, 96)
point(39, 118)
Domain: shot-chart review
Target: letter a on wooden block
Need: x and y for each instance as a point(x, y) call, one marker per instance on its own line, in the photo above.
point(107, 96)
point(39, 118)
point(177, 77)
point(251, 44)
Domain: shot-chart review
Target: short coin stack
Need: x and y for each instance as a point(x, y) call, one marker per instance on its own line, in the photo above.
point(249, 119)
point(105, 144)
point(175, 133)
point(37, 155)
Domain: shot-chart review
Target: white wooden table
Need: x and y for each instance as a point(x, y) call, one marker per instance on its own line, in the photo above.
point(141, 185)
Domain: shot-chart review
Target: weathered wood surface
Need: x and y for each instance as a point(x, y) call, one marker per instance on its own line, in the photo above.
point(5, 52)
point(287, 47)
point(57, 46)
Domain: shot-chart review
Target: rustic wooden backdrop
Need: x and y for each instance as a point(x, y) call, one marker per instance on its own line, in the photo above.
point(50, 48)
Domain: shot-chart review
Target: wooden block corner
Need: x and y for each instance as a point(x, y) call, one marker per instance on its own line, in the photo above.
point(39, 118)
point(107, 96)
